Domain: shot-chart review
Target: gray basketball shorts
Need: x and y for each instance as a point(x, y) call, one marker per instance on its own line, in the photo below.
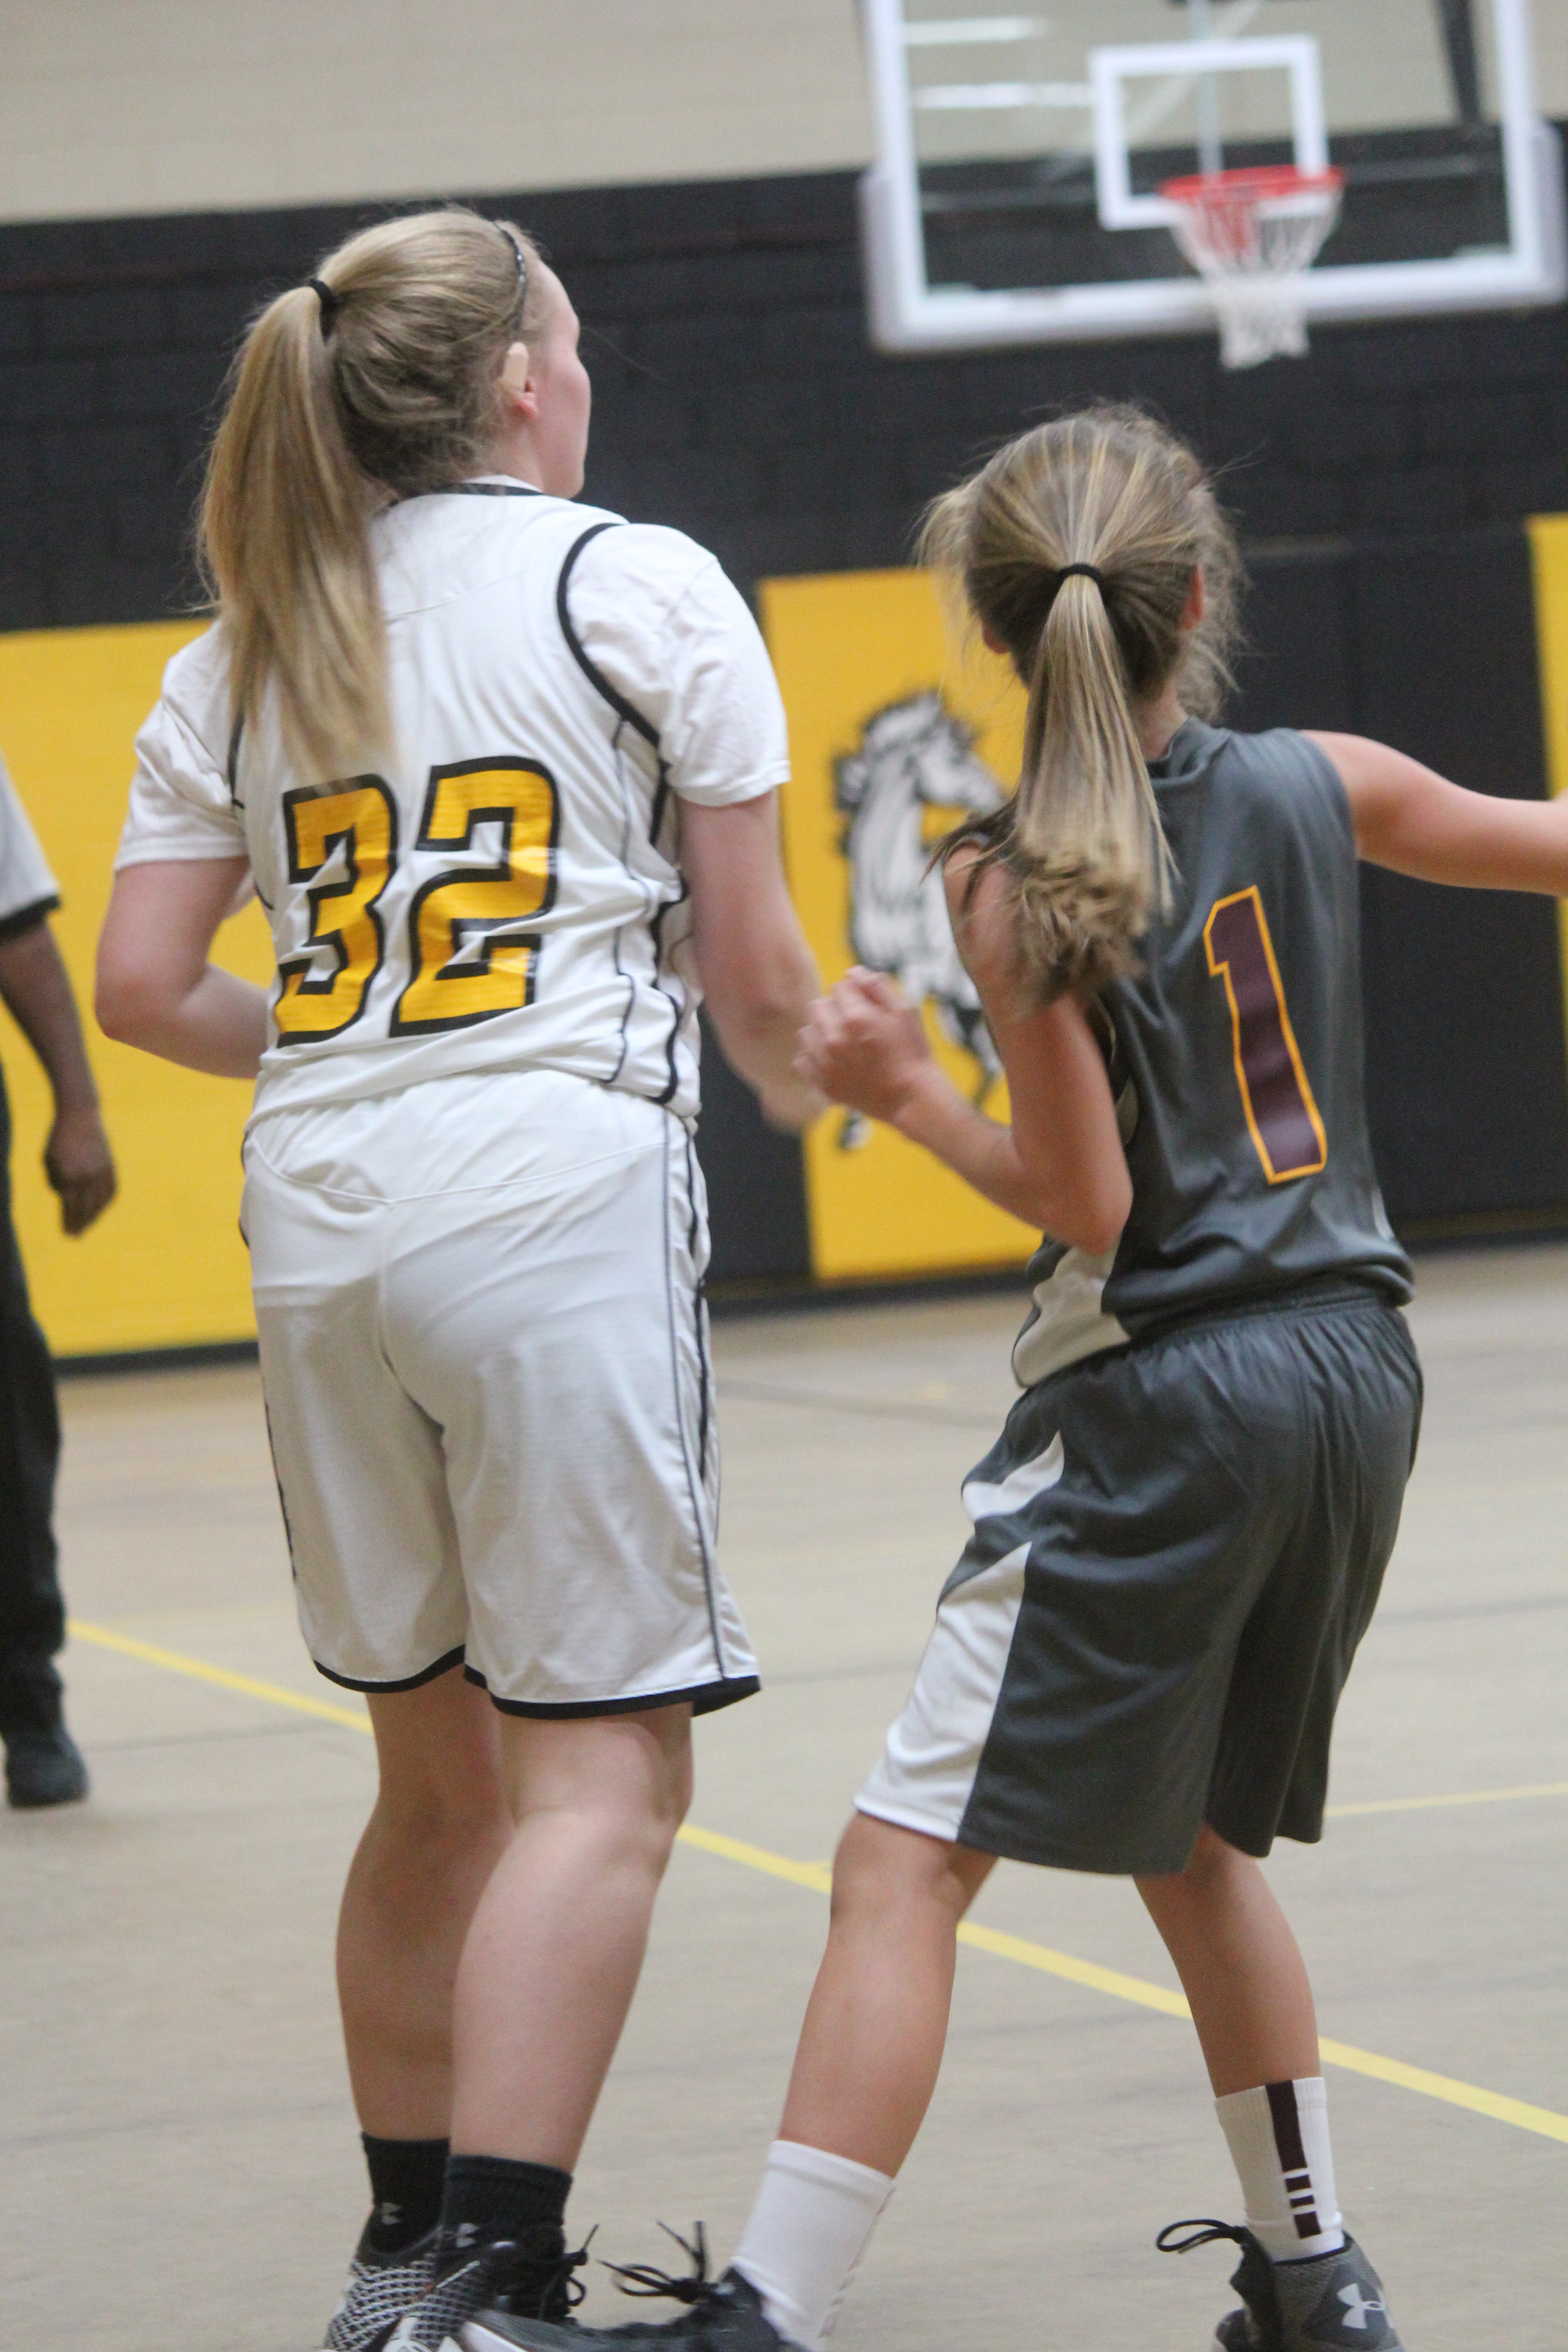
point(1177, 1546)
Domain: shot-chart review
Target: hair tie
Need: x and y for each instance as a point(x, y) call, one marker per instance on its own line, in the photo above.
point(330, 301)
point(1085, 572)
point(515, 249)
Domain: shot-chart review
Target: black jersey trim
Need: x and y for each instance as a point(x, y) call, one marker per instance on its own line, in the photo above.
point(26, 919)
point(477, 491)
point(231, 765)
point(590, 668)
point(631, 717)
point(701, 1697)
point(409, 1682)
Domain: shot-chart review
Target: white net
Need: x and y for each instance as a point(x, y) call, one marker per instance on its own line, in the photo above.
point(1254, 236)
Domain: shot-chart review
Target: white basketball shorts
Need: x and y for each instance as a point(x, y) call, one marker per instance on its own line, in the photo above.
point(484, 1351)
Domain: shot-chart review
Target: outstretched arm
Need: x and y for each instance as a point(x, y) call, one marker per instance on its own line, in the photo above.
point(1415, 822)
point(1059, 1165)
point(155, 987)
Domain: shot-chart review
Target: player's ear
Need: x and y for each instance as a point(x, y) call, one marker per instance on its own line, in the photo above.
point(1197, 603)
point(517, 389)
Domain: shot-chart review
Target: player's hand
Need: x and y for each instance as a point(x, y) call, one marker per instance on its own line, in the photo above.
point(81, 1167)
point(864, 1045)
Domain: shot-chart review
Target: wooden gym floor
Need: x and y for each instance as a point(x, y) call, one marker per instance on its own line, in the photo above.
point(178, 2166)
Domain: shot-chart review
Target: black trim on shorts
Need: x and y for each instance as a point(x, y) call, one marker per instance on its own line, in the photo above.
point(702, 1697)
point(26, 919)
point(411, 1682)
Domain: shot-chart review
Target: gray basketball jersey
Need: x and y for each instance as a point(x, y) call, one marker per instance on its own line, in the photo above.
point(1237, 1053)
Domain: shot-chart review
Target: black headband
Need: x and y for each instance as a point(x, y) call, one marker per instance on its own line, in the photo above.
point(517, 255)
point(1085, 571)
point(331, 302)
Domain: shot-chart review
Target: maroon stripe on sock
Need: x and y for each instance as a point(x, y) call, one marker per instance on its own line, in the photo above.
point(1292, 2155)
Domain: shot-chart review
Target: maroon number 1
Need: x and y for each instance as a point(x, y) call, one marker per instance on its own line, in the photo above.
point(1280, 1112)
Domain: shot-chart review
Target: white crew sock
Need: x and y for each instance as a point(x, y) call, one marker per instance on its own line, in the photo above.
point(1278, 2138)
point(811, 2224)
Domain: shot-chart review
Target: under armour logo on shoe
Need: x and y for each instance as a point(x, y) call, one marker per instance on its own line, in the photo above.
point(1358, 2307)
point(466, 2234)
point(388, 2214)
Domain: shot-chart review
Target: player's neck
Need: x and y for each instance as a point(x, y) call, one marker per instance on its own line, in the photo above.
point(1157, 722)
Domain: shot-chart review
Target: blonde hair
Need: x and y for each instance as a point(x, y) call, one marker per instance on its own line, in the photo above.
point(339, 405)
point(1081, 841)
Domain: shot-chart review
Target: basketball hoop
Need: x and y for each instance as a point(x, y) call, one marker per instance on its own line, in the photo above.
point(1253, 234)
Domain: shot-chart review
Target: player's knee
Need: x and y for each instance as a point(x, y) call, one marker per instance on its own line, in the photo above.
point(878, 1866)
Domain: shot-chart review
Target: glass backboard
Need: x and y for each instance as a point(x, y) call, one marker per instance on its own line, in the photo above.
point(1016, 194)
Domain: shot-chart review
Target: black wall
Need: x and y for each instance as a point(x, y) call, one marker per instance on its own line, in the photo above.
point(1379, 486)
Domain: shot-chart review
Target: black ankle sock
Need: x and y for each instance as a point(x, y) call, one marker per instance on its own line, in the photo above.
point(407, 2179)
point(489, 2198)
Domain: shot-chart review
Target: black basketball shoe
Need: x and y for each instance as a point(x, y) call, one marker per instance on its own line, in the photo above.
point(722, 2315)
point(43, 1768)
point(534, 2276)
point(381, 2289)
point(1330, 2303)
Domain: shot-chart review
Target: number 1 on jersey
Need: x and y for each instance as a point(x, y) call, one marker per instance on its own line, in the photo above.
point(1275, 1096)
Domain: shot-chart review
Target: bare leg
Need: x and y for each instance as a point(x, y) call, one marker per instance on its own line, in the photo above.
point(871, 2046)
point(1240, 1968)
point(552, 1956)
point(439, 1826)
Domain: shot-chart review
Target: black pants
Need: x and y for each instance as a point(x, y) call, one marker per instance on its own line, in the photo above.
point(32, 1610)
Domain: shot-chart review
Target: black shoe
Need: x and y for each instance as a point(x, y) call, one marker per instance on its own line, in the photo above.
point(43, 1768)
point(382, 2288)
point(721, 2315)
point(535, 2276)
point(1330, 2303)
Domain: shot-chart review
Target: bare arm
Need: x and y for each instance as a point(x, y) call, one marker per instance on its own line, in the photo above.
point(37, 989)
point(758, 974)
point(155, 987)
point(1415, 822)
point(1061, 1165)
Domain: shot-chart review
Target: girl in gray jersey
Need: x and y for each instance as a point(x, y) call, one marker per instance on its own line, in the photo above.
point(501, 770)
point(1179, 1536)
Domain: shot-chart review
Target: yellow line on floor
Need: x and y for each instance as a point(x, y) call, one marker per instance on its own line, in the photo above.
point(1464, 1797)
point(818, 1876)
point(174, 1663)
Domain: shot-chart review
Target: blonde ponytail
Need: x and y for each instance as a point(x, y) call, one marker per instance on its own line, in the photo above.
point(377, 379)
point(1077, 547)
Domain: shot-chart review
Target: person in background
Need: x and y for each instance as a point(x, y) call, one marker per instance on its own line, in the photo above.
point(43, 1764)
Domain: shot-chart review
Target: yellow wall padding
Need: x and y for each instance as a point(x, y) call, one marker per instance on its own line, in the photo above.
point(165, 1267)
point(847, 646)
point(1548, 559)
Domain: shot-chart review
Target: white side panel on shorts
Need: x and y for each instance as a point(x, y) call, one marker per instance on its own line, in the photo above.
point(1019, 1486)
point(927, 1769)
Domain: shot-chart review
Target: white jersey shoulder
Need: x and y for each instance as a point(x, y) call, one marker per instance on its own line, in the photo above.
point(503, 890)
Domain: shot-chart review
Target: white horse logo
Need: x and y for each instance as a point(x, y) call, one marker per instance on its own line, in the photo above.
point(915, 755)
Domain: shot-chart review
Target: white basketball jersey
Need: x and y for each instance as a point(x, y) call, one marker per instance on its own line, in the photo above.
point(504, 894)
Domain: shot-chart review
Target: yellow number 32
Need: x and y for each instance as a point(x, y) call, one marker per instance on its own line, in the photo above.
point(470, 955)
point(470, 952)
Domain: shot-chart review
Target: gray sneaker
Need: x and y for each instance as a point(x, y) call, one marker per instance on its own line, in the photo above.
point(381, 2289)
point(1330, 2303)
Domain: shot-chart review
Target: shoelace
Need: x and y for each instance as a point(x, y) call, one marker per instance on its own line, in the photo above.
point(696, 2287)
point(1203, 2234)
point(562, 2278)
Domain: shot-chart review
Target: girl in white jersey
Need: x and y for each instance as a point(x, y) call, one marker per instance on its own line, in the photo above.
point(502, 771)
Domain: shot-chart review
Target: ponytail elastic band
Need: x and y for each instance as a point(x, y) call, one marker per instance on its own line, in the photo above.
point(1085, 571)
point(331, 302)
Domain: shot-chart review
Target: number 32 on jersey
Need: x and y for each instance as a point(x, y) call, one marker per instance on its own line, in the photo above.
point(469, 955)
